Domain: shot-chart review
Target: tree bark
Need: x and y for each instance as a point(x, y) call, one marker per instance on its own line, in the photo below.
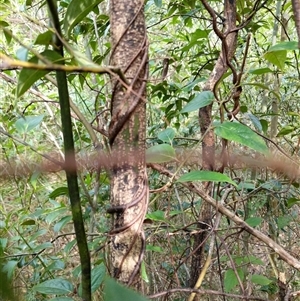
point(228, 38)
point(127, 132)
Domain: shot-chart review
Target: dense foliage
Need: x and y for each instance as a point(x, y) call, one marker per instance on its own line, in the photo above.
point(259, 185)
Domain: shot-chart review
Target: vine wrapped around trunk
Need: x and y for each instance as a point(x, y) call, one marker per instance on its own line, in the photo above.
point(127, 132)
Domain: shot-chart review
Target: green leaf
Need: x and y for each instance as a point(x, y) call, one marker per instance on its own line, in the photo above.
point(44, 38)
point(3, 244)
point(28, 222)
point(113, 291)
point(260, 71)
point(290, 45)
point(193, 83)
point(42, 246)
point(264, 124)
point(261, 280)
point(240, 133)
point(286, 130)
point(144, 272)
point(254, 260)
point(22, 54)
point(9, 268)
point(158, 3)
point(255, 121)
point(202, 99)
point(156, 215)
point(54, 214)
point(166, 135)
point(69, 246)
point(277, 58)
point(203, 175)
point(58, 226)
point(160, 153)
point(253, 221)
point(8, 36)
point(76, 11)
point(3, 24)
point(247, 259)
point(97, 277)
point(246, 185)
point(292, 201)
point(56, 286)
point(28, 123)
point(28, 77)
point(6, 283)
point(59, 192)
point(154, 248)
point(230, 279)
point(283, 221)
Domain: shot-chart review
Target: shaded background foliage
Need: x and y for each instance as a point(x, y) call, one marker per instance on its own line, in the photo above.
point(36, 234)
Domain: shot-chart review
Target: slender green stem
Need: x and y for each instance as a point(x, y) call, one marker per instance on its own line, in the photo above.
point(72, 179)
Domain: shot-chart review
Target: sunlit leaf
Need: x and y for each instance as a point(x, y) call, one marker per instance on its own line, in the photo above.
point(277, 58)
point(286, 130)
point(260, 71)
point(160, 153)
point(203, 175)
point(242, 134)
point(76, 11)
point(289, 45)
point(22, 54)
point(56, 286)
point(201, 100)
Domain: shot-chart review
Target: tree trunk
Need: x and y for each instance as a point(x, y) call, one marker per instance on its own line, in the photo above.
point(228, 38)
point(127, 130)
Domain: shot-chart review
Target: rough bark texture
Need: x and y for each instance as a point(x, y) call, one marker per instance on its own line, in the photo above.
point(296, 9)
point(208, 141)
point(129, 187)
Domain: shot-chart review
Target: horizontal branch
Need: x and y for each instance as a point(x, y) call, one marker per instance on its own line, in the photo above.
point(7, 63)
